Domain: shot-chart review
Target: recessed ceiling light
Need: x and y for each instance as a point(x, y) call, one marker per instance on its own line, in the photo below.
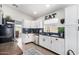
point(34, 12)
point(47, 5)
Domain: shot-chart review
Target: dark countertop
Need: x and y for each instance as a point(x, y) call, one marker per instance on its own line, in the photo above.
point(48, 34)
point(51, 35)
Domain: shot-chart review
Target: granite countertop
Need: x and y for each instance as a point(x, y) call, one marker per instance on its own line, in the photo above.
point(48, 34)
point(51, 35)
point(10, 48)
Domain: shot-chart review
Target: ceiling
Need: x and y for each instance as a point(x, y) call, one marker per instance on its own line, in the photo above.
point(37, 10)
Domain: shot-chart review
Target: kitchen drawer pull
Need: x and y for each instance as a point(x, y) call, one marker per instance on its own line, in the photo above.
point(51, 41)
point(56, 39)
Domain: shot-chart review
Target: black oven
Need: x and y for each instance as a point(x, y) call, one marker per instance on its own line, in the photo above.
point(6, 32)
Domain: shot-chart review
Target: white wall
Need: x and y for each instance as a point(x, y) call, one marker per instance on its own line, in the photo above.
point(60, 14)
point(16, 15)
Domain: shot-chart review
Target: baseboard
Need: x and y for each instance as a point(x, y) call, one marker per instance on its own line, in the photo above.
point(28, 42)
point(43, 47)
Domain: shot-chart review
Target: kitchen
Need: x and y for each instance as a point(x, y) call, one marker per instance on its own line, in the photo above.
point(41, 29)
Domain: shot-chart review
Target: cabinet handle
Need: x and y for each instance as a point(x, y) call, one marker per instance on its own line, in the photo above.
point(43, 39)
point(78, 21)
point(56, 39)
point(51, 41)
point(68, 52)
point(78, 28)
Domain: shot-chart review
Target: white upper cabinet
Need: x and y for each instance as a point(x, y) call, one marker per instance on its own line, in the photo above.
point(37, 24)
point(27, 24)
point(71, 15)
point(40, 23)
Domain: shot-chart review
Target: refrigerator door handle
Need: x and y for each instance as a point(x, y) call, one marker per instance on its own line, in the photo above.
point(78, 28)
point(78, 21)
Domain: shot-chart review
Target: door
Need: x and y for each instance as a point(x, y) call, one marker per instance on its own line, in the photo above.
point(71, 15)
point(78, 29)
point(71, 39)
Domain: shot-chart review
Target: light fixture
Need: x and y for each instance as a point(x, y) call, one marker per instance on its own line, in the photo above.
point(48, 5)
point(34, 12)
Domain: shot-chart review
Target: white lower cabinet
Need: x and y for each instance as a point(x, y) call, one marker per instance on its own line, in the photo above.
point(28, 38)
point(57, 45)
point(52, 43)
point(47, 42)
point(41, 40)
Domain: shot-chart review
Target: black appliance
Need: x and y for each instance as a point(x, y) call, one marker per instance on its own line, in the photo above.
point(7, 32)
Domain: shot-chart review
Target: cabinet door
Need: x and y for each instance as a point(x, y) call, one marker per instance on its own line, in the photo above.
point(78, 29)
point(33, 24)
point(25, 38)
point(71, 39)
point(54, 44)
point(71, 15)
point(47, 42)
point(27, 24)
point(41, 41)
point(36, 39)
point(57, 45)
point(31, 37)
point(60, 45)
